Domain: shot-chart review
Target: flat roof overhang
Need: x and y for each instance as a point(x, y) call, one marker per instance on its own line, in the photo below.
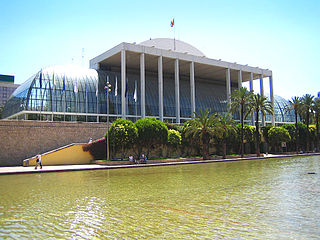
point(205, 68)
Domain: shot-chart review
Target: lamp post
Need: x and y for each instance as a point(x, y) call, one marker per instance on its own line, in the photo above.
point(108, 89)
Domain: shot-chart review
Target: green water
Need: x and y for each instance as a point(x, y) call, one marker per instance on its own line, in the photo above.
point(261, 199)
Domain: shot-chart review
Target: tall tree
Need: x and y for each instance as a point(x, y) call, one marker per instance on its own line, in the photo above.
point(202, 127)
point(295, 105)
point(259, 104)
point(224, 129)
point(307, 102)
point(316, 110)
point(239, 102)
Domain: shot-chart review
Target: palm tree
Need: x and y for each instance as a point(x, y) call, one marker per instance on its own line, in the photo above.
point(307, 102)
point(239, 101)
point(316, 109)
point(202, 126)
point(223, 129)
point(295, 105)
point(257, 104)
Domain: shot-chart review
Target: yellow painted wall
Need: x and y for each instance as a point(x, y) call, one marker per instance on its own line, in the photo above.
point(69, 155)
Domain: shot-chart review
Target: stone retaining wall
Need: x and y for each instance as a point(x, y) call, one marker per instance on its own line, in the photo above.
point(24, 139)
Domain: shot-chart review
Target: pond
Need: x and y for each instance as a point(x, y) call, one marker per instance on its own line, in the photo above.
point(257, 199)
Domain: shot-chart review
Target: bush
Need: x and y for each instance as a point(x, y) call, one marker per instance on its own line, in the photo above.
point(151, 132)
point(277, 135)
point(265, 130)
point(174, 138)
point(122, 135)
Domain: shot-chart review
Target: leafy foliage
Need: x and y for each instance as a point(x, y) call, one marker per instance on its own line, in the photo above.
point(223, 130)
point(151, 132)
point(202, 127)
point(259, 104)
point(240, 103)
point(122, 134)
point(277, 135)
point(174, 138)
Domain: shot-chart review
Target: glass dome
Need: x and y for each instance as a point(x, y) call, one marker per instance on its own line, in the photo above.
point(58, 89)
point(280, 112)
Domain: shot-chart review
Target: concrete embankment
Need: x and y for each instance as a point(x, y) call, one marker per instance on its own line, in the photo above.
point(150, 163)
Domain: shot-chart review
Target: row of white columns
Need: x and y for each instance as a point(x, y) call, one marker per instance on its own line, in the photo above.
point(228, 84)
point(177, 87)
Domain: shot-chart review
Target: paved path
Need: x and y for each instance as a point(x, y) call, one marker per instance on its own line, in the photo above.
point(60, 168)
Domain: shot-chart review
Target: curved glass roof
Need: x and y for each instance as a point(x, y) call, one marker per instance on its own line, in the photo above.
point(52, 89)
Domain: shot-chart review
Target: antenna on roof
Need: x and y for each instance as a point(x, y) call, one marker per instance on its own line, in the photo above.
point(82, 57)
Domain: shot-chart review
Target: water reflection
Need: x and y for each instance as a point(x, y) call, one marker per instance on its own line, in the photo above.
point(264, 199)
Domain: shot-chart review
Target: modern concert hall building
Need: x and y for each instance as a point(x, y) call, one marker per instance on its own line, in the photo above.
point(163, 78)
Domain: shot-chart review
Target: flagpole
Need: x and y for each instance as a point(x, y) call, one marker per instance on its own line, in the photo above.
point(52, 91)
point(97, 96)
point(116, 95)
point(64, 91)
point(75, 90)
point(86, 96)
point(40, 83)
point(135, 98)
point(174, 36)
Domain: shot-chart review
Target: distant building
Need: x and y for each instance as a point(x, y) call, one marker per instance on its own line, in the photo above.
point(7, 87)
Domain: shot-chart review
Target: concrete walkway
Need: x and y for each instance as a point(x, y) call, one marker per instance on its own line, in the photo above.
point(60, 168)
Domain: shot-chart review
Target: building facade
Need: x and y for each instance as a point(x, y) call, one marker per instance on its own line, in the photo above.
point(7, 87)
point(163, 78)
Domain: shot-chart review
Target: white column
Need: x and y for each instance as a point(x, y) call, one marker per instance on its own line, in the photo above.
point(239, 79)
point(192, 89)
point(177, 89)
point(160, 85)
point(272, 98)
point(251, 89)
point(251, 82)
point(263, 120)
point(143, 86)
point(228, 84)
point(123, 83)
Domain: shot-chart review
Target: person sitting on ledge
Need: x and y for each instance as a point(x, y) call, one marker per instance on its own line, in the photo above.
point(131, 160)
point(143, 158)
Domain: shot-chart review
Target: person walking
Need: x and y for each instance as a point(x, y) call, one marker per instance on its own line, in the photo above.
point(38, 161)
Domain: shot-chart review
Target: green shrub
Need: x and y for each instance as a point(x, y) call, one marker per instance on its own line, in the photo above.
point(151, 132)
point(122, 135)
point(277, 135)
point(174, 138)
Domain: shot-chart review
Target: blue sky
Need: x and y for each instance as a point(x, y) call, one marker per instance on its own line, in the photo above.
point(280, 35)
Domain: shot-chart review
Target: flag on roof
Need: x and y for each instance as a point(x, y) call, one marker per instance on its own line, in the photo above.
point(116, 88)
point(135, 91)
point(172, 22)
point(64, 83)
point(75, 89)
point(126, 89)
point(40, 79)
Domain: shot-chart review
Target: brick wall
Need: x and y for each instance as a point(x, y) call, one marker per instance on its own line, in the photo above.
point(23, 139)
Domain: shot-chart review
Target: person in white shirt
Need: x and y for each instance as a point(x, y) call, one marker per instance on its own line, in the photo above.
point(38, 161)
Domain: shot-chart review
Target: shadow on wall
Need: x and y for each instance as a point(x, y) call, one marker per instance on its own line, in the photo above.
point(97, 149)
